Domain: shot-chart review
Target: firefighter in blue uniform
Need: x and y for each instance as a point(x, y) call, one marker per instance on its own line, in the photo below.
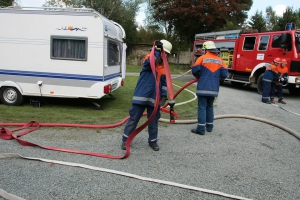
point(271, 74)
point(209, 68)
point(145, 95)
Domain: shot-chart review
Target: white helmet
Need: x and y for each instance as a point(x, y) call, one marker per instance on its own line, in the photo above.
point(210, 46)
point(167, 46)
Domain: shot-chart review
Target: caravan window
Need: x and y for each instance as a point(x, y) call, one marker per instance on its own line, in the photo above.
point(113, 53)
point(74, 48)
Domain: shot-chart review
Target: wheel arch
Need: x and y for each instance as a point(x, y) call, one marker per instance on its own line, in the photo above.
point(257, 71)
point(11, 84)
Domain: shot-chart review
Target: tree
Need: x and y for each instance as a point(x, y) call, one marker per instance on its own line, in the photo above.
point(189, 17)
point(289, 16)
point(148, 34)
point(258, 22)
point(271, 19)
point(166, 26)
point(6, 3)
point(120, 11)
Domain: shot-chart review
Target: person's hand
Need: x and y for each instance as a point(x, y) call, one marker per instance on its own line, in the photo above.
point(158, 45)
point(284, 82)
point(163, 100)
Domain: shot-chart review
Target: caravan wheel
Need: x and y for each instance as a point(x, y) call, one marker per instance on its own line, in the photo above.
point(11, 96)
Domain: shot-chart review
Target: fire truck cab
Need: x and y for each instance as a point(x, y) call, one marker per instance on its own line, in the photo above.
point(248, 53)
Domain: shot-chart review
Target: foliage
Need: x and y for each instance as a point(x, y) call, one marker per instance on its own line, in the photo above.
point(148, 34)
point(288, 16)
point(258, 22)
point(6, 3)
point(189, 17)
point(272, 22)
point(271, 19)
point(231, 25)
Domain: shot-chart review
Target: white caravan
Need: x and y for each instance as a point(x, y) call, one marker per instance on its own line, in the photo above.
point(59, 52)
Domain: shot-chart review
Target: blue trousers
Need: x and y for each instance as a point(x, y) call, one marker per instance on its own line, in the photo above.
point(266, 91)
point(136, 112)
point(205, 114)
point(275, 87)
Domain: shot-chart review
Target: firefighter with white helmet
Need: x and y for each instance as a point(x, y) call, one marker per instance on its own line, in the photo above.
point(145, 95)
point(210, 46)
point(270, 75)
point(209, 68)
point(167, 46)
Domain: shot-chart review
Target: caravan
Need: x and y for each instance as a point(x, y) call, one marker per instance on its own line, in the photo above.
point(59, 52)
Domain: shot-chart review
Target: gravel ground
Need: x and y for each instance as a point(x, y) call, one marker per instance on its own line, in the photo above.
point(240, 157)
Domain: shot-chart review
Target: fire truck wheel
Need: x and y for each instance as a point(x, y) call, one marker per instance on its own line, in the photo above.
point(294, 91)
point(11, 96)
point(221, 81)
point(260, 84)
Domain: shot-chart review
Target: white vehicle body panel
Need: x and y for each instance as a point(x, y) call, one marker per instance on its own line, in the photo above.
point(25, 52)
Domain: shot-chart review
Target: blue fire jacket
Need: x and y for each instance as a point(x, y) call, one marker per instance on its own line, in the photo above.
point(145, 91)
point(209, 68)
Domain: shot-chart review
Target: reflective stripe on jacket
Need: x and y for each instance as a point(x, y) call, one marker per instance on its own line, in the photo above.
point(209, 68)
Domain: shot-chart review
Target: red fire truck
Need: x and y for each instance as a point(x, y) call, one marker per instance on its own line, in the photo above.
point(247, 54)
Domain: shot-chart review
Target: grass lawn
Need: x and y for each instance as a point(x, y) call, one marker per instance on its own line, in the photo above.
point(80, 111)
point(173, 68)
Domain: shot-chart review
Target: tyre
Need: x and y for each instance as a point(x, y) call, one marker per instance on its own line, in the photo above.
point(293, 90)
point(260, 84)
point(11, 96)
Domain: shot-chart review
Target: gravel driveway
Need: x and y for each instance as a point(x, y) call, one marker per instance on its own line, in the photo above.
point(240, 157)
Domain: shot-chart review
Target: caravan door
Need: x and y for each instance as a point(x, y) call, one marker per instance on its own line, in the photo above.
point(112, 67)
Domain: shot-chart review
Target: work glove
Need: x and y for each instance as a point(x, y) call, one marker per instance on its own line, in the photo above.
point(196, 75)
point(163, 100)
point(158, 45)
point(276, 79)
point(284, 82)
point(281, 79)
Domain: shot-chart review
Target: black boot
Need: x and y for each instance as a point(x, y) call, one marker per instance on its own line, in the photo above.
point(123, 145)
point(154, 146)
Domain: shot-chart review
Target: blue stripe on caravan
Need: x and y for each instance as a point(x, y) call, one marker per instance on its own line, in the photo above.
point(58, 75)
